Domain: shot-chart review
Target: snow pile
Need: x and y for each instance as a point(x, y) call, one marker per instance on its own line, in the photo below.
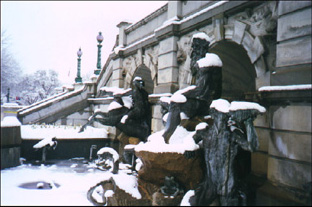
point(210, 60)
point(178, 96)
point(224, 106)
point(61, 132)
point(180, 141)
point(201, 126)
point(137, 78)
point(11, 105)
point(186, 198)
point(109, 193)
point(183, 116)
point(127, 100)
point(201, 35)
point(160, 95)
point(128, 183)
point(123, 119)
point(10, 121)
point(165, 99)
point(242, 105)
point(286, 88)
point(114, 105)
point(221, 105)
point(115, 90)
point(109, 150)
point(165, 117)
point(46, 141)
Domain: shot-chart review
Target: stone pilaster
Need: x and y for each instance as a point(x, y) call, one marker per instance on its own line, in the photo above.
point(122, 35)
point(118, 80)
point(168, 72)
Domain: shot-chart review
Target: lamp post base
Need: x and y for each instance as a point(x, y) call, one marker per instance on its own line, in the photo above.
point(78, 80)
point(97, 72)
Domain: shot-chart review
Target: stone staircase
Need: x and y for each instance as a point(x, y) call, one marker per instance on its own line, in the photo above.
point(54, 108)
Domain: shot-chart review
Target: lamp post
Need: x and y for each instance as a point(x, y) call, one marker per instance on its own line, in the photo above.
point(8, 96)
point(78, 79)
point(98, 65)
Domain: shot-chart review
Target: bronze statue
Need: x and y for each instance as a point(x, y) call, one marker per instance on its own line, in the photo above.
point(232, 128)
point(195, 100)
point(133, 120)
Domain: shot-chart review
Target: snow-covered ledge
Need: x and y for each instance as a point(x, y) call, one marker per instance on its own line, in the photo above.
point(281, 94)
point(9, 114)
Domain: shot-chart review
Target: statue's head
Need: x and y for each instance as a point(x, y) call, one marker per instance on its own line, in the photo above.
point(242, 115)
point(240, 111)
point(138, 82)
point(200, 41)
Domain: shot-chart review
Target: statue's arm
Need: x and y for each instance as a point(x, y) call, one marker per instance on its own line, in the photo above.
point(238, 135)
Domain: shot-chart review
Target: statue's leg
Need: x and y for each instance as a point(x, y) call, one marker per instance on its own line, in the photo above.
point(111, 118)
point(44, 154)
point(252, 137)
point(91, 120)
point(135, 128)
point(173, 121)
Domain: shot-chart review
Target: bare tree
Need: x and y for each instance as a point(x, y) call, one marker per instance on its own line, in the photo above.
point(38, 86)
point(11, 72)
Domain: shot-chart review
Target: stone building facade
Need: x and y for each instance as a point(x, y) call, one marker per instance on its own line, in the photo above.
point(260, 44)
point(265, 47)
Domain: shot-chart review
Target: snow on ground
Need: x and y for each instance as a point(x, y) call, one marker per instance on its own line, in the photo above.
point(61, 131)
point(71, 192)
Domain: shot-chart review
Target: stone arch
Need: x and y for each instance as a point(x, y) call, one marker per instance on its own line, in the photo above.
point(145, 73)
point(239, 75)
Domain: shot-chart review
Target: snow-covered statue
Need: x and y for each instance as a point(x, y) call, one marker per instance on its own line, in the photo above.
point(45, 144)
point(170, 188)
point(195, 100)
point(129, 112)
point(232, 128)
point(200, 46)
point(108, 158)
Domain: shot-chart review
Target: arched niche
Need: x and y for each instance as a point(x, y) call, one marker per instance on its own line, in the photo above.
point(238, 73)
point(145, 73)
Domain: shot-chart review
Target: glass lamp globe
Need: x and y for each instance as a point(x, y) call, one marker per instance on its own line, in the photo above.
point(100, 37)
point(79, 53)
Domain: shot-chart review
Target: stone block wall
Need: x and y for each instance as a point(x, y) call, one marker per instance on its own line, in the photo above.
point(293, 51)
point(289, 146)
point(10, 146)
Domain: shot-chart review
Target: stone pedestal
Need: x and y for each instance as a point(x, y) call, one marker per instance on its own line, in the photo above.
point(188, 172)
point(10, 136)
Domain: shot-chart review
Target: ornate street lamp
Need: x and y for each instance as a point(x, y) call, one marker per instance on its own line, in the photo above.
point(98, 65)
point(78, 79)
point(8, 96)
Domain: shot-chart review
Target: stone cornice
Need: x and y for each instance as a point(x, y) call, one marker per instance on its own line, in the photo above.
point(147, 19)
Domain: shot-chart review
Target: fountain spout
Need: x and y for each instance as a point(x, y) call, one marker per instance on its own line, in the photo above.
point(91, 151)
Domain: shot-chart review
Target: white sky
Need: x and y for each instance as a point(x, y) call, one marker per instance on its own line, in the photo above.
point(48, 34)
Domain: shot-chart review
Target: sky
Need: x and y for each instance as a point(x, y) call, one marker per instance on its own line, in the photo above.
point(47, 34)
